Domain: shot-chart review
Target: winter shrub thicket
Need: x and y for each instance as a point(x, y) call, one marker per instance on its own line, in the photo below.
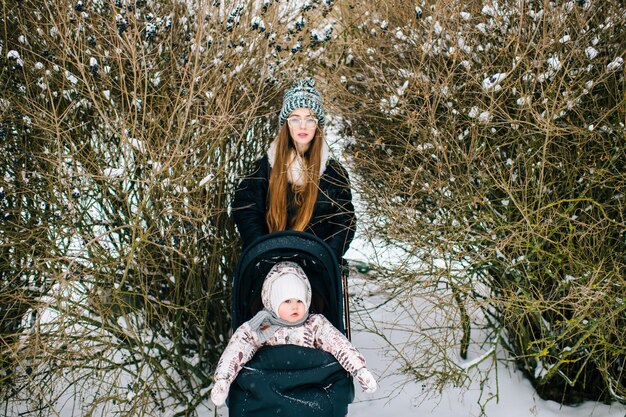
point(488, 140)
point(124, 125)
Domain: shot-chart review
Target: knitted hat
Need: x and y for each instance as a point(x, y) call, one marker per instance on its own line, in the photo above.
point(302, 95)
point(286, 280)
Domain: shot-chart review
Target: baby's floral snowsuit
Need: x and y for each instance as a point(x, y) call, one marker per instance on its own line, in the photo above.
point(316, 332)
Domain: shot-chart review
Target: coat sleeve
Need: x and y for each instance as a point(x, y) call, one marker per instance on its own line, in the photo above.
point(249, 203)
point(331, 340)
point(343, 222)
point(240, 349)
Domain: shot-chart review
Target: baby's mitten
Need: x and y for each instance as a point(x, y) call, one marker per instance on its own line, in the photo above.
point(219, 392)
point(366, 380)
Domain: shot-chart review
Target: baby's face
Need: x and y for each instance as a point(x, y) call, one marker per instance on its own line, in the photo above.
point(291, 310)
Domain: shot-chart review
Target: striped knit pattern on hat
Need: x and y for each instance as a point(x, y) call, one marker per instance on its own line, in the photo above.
point(302, 95)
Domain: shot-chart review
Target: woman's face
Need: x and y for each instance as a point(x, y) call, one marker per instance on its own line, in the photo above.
point(302, 125)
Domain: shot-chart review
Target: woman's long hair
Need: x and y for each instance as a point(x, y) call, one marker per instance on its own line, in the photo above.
point(305, 195)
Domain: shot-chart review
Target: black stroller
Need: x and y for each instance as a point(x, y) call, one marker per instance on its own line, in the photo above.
point(290, 380)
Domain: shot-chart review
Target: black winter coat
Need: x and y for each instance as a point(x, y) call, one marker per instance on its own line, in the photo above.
point(333, 217)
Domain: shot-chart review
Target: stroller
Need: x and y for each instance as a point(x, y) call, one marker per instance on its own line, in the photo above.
point(290, 380)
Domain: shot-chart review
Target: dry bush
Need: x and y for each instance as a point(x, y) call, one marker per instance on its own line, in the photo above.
point(124, 125)
point(488, 146)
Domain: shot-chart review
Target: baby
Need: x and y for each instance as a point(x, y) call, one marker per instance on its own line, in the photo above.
point(286, 296)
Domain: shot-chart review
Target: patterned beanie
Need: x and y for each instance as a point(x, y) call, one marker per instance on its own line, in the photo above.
point(286, 280)
point(302, 95)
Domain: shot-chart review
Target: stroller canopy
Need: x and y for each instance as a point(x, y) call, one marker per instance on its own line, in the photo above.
point(312, 254)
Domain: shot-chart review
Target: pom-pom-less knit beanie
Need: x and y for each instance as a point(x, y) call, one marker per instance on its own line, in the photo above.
point(302, 95)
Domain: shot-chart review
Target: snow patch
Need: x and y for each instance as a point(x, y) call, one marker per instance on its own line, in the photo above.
point(615, 64)
point(591, 52)
point(493, 82)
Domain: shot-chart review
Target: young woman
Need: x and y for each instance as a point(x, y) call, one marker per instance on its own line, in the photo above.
point(297, 185)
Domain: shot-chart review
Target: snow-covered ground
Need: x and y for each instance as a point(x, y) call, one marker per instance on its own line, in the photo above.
point(399, 397)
